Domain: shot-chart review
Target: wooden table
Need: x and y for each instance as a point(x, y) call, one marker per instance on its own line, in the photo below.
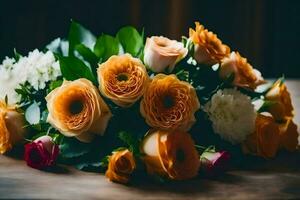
point(279, 179)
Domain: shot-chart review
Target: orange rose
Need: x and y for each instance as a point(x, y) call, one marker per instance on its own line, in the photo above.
point(169, 104)
point(265, 140)
point(162, 53)
point(170, 154)
point(123, 79)
point(281, 103)
point(77, 109)
point(12, 128)
point(288, 135)
point(244, 74)
point(120, 167)
point(208, 47)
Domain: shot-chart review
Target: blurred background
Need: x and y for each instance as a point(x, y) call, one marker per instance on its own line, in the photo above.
point(267, 32)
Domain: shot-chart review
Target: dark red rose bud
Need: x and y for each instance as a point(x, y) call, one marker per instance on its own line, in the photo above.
point(214, 163)
point(41, 153)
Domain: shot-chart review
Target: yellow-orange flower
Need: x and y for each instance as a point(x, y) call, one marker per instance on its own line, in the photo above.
point(208, 47)
point(170, 154)
point(161, 54)
point(123, 79)
point(12, 128)
point(120, 167)
point(288, 134)
point(244, 74)
point(77, 109)
point(281, 103)
point(169, 104)
point(265, 140)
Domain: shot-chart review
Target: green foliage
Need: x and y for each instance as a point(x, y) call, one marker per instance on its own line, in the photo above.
point(54, 84)
point(71, 147)
point(6, 99)
point(131, 40)
point(73, 68)
point(87, 156)
point(79, 35)
point(106, 46)
point(132, 142)
point(87, 54)
point(88, 165)
point(183, 75)
point(204, 79)
point(29, 94)
point(104, 161)
point(266, 106)
point(189, 45)
point(17, 55)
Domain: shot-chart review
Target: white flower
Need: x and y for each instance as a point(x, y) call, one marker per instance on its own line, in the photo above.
point(232, 115)
point(37, 69)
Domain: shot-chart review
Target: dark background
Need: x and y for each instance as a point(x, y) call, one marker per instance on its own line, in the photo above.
point(267, 32)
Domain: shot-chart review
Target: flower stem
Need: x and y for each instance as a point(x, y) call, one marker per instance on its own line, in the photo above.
point(200, 147)
point(203, 149)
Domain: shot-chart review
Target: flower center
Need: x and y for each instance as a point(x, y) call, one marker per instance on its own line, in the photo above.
point(168, 101)
point(122, 77)
point(35, 156)
point(180, 157)
point(162, 45)
point(76, 107)
point(123, 165)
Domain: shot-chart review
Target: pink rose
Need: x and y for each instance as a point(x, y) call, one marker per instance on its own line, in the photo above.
point(161, 54)
point(213, 163)
point(41, 153)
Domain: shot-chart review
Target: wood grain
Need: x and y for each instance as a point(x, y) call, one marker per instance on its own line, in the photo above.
point(277, 179)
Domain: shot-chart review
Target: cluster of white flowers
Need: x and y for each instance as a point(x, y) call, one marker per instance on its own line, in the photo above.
point(232, 114)
point(37, 69)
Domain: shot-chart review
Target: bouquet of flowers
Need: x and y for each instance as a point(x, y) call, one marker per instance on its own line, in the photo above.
point(125, 105)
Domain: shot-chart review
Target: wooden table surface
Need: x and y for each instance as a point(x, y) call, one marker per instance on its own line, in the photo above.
point(277, 179)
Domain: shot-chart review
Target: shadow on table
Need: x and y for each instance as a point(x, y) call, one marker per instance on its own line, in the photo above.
point(194, 186)
point(284, 168)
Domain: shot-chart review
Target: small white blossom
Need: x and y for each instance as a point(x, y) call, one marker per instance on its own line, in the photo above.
point(37, 69)
point(232, 115)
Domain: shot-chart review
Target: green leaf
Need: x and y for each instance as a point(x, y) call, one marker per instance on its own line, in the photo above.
point(106, 46)
point(183, 75)
point(57, 138)
point(17, 55)
point(189, 45)
point(33, 114)
point(84, 165)
point(105, 161)
point(89, 56)
point(73, 68)
point(119, 149)
point(37, 127)
point(266, 106)
point(131, 141)
point(79, 35)
point(44, 116)
point(55, 84)
point(59, 46)
point(6, 99)
point(131, 40)
point(71, 147)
